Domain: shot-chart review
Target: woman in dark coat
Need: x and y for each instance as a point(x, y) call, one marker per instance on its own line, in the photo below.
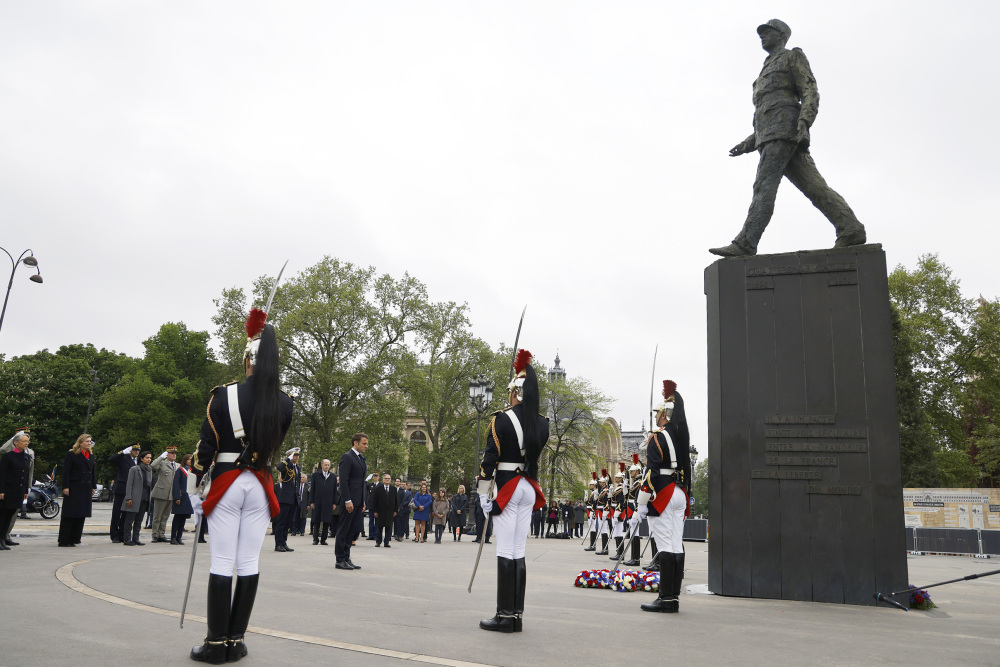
point(456, 513)
point(181, 507)
point(79, 479)
point(15, 478)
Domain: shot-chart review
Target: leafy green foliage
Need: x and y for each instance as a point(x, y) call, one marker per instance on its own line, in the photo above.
point(699, 489)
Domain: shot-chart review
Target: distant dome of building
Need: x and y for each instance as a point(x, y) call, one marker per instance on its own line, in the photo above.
point(557, 372)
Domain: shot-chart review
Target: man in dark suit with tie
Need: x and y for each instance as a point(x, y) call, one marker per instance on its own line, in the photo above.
point(403, 497)
point(384, 504)
point(123, 461)
point(352, 471)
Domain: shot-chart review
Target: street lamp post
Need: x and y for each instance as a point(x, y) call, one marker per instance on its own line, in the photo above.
point(28, 261)
point(90, 403)
point(480, 395)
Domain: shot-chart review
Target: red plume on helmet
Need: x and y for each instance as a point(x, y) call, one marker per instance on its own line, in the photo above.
point(594, 475)
point(521, 361)
point(669, 387)
point(255, 322)
point(621, 466)
point(604, 472)
point(635, 459)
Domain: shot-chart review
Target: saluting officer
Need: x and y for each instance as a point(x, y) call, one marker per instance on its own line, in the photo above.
point(289, 479)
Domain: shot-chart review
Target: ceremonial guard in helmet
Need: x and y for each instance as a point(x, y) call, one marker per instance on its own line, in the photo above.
point(243, 431)
point(633, 485)
point(602, 503)
point(618, 511)
point(665, 494)
point(508, 488)
point(591, 503)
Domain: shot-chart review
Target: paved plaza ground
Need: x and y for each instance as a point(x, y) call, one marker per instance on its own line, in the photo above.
point(107, 604)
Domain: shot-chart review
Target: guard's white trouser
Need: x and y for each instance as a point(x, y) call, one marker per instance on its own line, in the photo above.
point(633, 524)
point(603, 528)
point(237, 526)
point(619, 528)
point(592, 523)
point(512, 525)
point(668, 528)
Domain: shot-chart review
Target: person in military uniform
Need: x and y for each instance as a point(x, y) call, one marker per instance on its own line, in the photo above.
point(603, 506)
point(632, 487)
point(508, 488)
point(665, 494)
point(289, 479)
point(164, 469)
point(591, 503)
point(618, 512)
point(786, 102)
point(242, 433)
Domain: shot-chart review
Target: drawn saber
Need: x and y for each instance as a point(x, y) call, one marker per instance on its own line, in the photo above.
point(194, 552)
point(652, 388)
point(482, 540)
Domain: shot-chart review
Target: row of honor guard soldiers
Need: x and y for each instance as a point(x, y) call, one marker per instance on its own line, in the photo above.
point(660, 492)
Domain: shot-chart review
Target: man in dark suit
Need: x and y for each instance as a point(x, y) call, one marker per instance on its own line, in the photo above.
point(384, 505)
point(123, 461)
point(289, 479)
point(403, 497)
point(372, 483)
point(352, 471)
point(323, 501)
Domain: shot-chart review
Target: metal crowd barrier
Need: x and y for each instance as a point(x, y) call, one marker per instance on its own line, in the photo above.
point(967, 541)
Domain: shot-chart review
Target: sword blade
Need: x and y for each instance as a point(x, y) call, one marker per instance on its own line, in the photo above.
point(517, 338)
point(267, 307)
point(652, 387)
point(194, 552)
point(482, 538)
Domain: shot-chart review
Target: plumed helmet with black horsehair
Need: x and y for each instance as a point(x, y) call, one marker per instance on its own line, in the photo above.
point(256, 320)
point(521, 363)
point(635, 464)
point(621, 471)
point(667, 406)
point(603, 479)
point(593, 482)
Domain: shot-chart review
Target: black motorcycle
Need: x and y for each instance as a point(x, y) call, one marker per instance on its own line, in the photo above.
point(42, 498)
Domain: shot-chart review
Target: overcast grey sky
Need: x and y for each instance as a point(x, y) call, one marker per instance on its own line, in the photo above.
point(567, 155)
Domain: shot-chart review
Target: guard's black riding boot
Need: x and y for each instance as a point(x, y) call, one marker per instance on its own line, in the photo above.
point(666, 602)
point(635, 554)
point(213, 651)
point(654, 565)
point(522, 579)
point(678, 575)
point(506, 585)
point(239, 619)
point(604, 546)
point(593, 540)
point(618, 549)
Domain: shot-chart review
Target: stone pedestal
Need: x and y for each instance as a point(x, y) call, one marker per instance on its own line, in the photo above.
point(803, 434)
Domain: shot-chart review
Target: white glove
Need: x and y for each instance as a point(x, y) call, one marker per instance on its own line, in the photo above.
point(127, 450)
point(163, 455)
point(485, 503)
point(641, 512)
point(195, 503)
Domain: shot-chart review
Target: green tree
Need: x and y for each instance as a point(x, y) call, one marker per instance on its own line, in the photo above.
point(916, 445)
point(576, 414)
point(162, 401)
point(436, 384)
point(699, 489)
point(50, 392)
point(342, 334)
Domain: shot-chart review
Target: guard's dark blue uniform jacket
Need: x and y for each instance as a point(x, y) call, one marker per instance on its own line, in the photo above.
point(502, 447)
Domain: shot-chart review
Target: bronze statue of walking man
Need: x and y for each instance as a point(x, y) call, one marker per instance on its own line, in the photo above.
point(786, 102)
